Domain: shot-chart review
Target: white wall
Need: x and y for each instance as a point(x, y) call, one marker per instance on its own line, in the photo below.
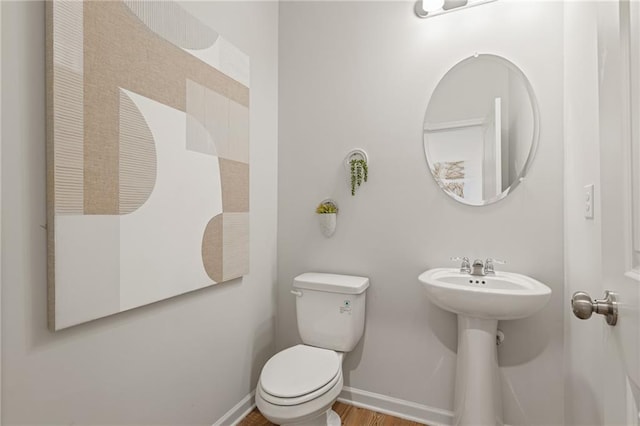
point(0, 225)
point(583, 271)
point(359, 74)
point(186, 360)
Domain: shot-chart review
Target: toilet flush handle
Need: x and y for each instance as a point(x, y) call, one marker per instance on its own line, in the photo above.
point(297, 293)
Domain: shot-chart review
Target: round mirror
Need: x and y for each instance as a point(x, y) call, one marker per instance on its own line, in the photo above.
point(481, 129)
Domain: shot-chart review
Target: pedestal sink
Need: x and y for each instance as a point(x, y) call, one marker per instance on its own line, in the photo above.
point(480, 301)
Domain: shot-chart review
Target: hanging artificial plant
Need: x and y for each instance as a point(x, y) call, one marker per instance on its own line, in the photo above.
point(359, 173)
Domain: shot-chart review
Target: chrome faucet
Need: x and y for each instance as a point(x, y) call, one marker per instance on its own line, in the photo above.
point(488, 265)
point(478, 268)
point(465, 267)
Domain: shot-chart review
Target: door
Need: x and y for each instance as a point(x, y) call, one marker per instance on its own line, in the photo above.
point(618, 54)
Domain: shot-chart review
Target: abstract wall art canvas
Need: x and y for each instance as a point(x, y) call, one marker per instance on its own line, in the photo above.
point(147, 157)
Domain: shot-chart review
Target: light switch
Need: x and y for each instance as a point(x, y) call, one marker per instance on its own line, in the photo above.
point(588, 201)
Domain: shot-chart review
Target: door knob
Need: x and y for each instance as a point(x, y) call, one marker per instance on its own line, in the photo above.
point(583, 306)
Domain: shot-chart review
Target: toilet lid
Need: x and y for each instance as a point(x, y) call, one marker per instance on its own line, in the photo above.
point(299, 370)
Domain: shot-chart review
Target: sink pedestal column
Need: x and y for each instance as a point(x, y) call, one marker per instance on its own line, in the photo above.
point(478, 398)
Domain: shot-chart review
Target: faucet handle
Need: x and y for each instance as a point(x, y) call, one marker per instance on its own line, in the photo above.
point(488, 265)
point(465, 266)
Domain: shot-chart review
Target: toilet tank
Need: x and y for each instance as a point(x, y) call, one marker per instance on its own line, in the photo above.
point(330, 309)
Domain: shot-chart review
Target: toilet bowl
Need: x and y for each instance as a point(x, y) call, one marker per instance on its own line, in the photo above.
point(298, 385)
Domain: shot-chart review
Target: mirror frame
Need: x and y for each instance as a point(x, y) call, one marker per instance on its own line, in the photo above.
point(535, 137)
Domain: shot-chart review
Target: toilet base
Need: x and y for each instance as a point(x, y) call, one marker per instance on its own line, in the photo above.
point(329, 418)
point(333, 419)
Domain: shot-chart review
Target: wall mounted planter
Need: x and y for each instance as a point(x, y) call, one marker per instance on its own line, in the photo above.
point(327, 212)
point(357, 164)
point(327, 224)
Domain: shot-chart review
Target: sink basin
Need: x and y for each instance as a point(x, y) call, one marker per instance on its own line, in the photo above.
point(480, 303)
point(503, 296)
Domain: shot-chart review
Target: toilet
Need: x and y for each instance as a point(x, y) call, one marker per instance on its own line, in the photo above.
point(298, 385)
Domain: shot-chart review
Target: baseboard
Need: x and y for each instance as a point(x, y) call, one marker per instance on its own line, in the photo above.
point(371, 401)
point(396, 407)
point(239, 411)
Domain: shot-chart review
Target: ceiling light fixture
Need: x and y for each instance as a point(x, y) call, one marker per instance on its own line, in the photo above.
point(431, 8)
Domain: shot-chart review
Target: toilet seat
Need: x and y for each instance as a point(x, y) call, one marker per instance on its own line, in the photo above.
point(299, 374)
point(302, 398)
point(307, 412)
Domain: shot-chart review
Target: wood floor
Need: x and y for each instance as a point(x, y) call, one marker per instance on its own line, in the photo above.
point(350, 416)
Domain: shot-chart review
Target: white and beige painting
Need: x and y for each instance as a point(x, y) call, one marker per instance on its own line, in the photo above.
point(148, 157)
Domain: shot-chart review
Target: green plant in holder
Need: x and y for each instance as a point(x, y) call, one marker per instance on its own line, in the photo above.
point(359, 173)
point(326, 208)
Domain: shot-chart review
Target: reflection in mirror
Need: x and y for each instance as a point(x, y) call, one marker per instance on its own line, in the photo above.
point(481, 129)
